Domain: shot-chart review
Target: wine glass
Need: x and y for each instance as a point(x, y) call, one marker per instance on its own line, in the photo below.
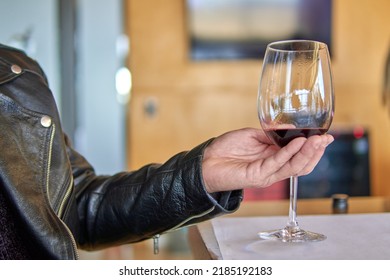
point(295, 99)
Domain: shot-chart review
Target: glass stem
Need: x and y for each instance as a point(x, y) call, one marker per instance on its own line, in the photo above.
point(292, 215)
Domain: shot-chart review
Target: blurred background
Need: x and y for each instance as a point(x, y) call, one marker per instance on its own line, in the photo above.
point(137, 81)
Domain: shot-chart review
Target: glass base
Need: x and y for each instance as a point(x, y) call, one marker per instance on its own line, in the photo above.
point(292, 234)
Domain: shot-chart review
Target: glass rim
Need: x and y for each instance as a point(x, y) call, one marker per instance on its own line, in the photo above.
point(320, 45)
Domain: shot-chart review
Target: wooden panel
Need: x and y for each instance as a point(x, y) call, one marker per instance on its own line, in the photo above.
point(199, 100)
point(185, 119)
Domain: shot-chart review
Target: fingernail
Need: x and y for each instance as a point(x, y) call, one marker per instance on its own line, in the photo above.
point(328, 142)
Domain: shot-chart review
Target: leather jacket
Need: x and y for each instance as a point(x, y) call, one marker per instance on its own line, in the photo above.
point(62, 204)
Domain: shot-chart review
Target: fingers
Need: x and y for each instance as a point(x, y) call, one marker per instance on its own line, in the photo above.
point(278, 164)
point(298, 158)
point(303, 162)
point(316, 157)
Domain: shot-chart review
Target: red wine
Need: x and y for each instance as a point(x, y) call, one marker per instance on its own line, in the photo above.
point(282, 137)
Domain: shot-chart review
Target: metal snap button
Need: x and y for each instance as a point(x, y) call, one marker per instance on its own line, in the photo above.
point(16, 69)
point(46, 121)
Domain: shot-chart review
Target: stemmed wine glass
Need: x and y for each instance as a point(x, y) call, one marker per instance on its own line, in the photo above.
point(295, 99)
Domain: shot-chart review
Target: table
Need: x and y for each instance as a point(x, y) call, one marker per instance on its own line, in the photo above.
point(315, 213)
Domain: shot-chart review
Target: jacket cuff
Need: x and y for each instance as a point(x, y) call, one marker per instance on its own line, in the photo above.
point(222, 202)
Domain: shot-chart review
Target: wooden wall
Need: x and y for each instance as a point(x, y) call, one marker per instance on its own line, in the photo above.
point(198, 100)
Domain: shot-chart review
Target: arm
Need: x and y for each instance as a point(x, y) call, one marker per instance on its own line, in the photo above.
point(190, 187)
point(132, 206)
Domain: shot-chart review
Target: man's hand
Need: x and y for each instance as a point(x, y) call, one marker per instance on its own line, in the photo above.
point(246, 158)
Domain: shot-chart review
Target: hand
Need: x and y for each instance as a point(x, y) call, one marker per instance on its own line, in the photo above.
point(246, 158)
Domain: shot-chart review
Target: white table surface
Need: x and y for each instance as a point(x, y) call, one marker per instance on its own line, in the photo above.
point(351, 237)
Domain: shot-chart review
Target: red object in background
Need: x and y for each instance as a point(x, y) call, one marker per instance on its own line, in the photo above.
point(276, 191)
point(358, 132)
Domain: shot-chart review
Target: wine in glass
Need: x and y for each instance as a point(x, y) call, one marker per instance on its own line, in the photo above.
point(295, 99)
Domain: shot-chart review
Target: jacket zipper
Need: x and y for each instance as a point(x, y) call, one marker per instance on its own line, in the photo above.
point(157, 236)
point(65, 199)
point(69, 233)
point(190, 218)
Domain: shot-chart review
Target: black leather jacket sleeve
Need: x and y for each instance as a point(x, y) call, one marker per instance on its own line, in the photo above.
point(60, 200)
point(132, 206)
